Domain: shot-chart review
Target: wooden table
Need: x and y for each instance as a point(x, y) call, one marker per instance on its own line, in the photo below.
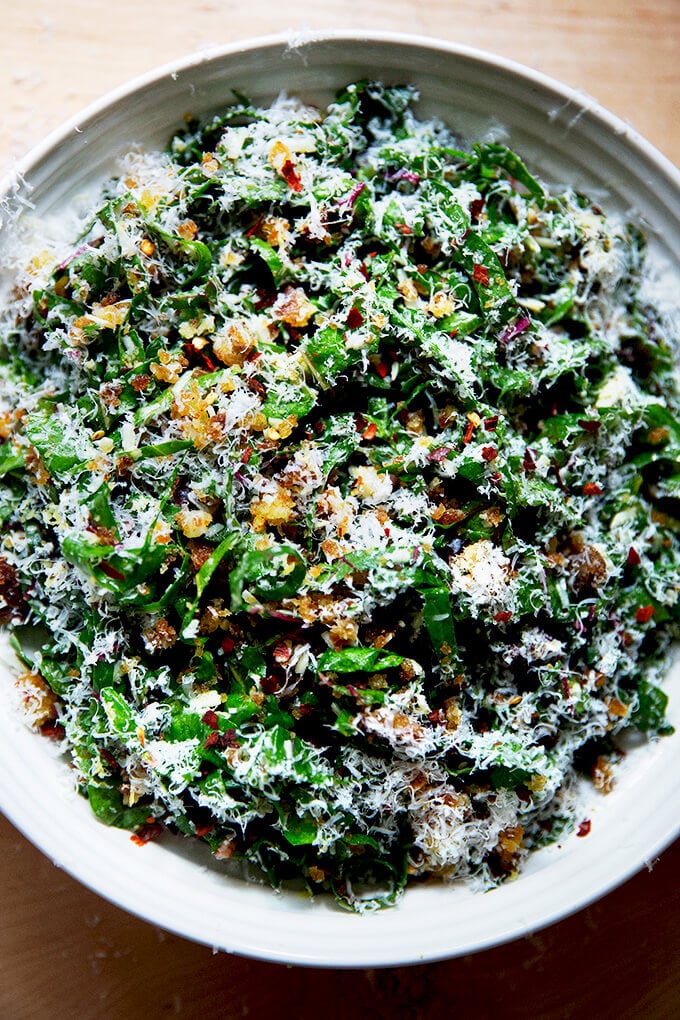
point(56, 57)
point(65, 952)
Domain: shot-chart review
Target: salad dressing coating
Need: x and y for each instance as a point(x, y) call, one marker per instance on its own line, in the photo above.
point(340, 477)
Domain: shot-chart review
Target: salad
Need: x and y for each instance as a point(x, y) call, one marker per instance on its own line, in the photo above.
point(340, 476)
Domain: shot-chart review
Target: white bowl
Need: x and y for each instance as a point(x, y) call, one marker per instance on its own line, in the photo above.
point(568, 139)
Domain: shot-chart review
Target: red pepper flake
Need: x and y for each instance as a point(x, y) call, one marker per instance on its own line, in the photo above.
point(354, 318)
point(440, 454)
point(269, 684)
point(53, 729)
point(480, 274)
point(590, 425)
point(151, 830)
point(437, 717)
point(207, 361)
point(111, 572)
point(503, 616)
point(584, 828)
point(403, 228)
point(251, 231)
point(476, 207)
point(370, 431)
point(591, 489)
point(382, 370)
point(491, 423)
point(633, 558)
point(108, 758)
point(221, 741)
point(644, 614)
point(469, 432)
point(247, 454)
point(364, 271)
point(489, 453)
point(291, 176)
point(203, 830)
point(453, 333)
point(227, 645)
point(193, 352)
point(210, 719)
point(528, 463)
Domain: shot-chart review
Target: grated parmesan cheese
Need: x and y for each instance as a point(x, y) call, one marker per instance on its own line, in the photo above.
point(339, 476)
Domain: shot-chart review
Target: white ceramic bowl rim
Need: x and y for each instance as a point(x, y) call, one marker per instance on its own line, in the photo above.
point(575, 98)
point(261, 925)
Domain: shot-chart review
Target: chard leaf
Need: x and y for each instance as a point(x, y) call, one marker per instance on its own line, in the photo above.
point(60, 453)
point(358, 660)
point(269, 574)
point(650, 714)
point(119, 713)
point(107, 804)
point(298, 831)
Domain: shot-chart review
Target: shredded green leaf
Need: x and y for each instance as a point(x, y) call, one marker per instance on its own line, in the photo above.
point(340, 483)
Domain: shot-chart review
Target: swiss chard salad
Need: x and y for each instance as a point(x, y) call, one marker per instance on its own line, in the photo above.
point(340, 478)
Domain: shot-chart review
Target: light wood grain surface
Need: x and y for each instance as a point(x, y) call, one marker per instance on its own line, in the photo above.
point(58, 56)
point(63, 951)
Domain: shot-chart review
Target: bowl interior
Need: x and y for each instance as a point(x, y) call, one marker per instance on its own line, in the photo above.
point(563, 136)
